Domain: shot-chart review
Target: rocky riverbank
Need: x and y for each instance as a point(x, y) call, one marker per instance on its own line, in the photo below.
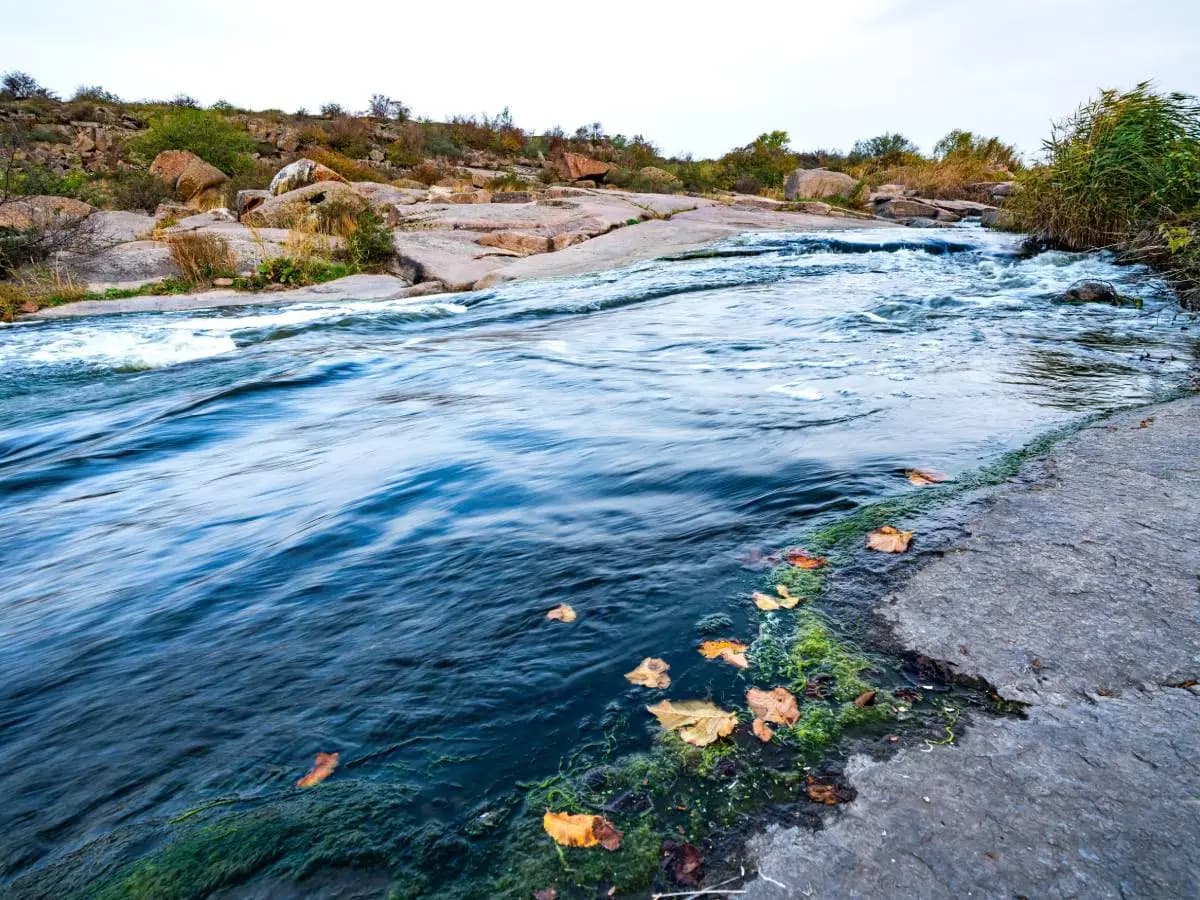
point(1073, 592)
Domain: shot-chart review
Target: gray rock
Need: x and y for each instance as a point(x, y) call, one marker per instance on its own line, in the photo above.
point(900, 208)
point(813, 184)
point(247, 200)
point(123, 265)
point(1090, 292)
point(301, 173)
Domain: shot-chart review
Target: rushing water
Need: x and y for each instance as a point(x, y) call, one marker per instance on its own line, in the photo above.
point(234, 538)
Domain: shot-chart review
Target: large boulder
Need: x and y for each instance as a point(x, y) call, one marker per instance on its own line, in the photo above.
point(302, 206)
point(302, 173)
point(577, 167)
point(905, 209)
point(813, 184)
point(25, 213)
point(190, 178)
point(657, 175)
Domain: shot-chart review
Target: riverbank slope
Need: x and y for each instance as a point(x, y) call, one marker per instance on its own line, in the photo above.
point(1074, 591)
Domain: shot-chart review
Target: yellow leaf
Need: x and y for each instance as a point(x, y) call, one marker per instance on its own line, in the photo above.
point(322, 768)
point(698, 722)
point(581, 830)
point(651, 673)
point(765, 602)
point(889, 540)
point(762, 730)
point(922, 477)
point(786, 599)
point(561, 613)
point(776, 705)
point(713, 649)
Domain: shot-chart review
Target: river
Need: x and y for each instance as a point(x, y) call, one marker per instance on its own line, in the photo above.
point(235, 538)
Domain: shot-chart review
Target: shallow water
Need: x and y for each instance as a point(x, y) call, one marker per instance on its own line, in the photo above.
point(238, 537)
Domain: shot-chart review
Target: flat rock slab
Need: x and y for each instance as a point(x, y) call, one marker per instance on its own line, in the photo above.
point(1075, 591)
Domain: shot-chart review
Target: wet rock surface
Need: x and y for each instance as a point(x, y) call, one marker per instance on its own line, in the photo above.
point(1074, 591)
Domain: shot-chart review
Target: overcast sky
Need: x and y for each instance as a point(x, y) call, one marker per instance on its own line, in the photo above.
point(694, 76)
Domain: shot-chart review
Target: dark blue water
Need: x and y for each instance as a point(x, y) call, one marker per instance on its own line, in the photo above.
point(235, 538)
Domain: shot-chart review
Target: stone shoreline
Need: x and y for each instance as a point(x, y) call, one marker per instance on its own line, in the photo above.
point(1073, 591)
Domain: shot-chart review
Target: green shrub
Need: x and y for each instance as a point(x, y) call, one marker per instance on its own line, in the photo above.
point(369, 243)
point(208, 134)
point(38, 180)
point(137, 190)
point(1121, 163)
point(293, 271)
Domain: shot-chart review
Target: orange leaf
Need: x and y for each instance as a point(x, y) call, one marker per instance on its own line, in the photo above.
point(651, 673)
point(922, 477)
point(735, 659)
point(889, 540)
point(765, 602)
point(713, 649)
point(322, 768)
point(802, 559)
point(561, 613)
point(776, 705)
point(698, 722)
point(824, 793)
point(866, 698)
point(762, 730)
point(581, 830)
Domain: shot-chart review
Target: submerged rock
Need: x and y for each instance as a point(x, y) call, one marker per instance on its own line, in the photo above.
point(1090, 292)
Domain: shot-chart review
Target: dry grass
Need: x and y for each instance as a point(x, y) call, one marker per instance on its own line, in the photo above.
point(37, 287)
point(350, 169)
point(202, 257)
point(948, 179)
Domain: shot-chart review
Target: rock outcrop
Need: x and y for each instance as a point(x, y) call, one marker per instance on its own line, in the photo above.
point(577, 167)
point(301, 173)
point(813, 184)
point(41, 212)
point(191, 179)
point(301, 206)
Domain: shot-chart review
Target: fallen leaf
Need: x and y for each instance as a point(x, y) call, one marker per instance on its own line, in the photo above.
point(546, 894)
point(866, 698)
point(734, 658)
point(561, 613)
point(651, 673)
point(802, 559)
point(776, 705)
point(683, 862)
point(698, 722)
point(762, 730)
point(723, 649)
point(581, 830)
point(766, 602)
point(608, 834)
point(829, 794)
point(322, 768)
point(786, 599)
point(922, 477)
point(889, 540)
point(1146, 422)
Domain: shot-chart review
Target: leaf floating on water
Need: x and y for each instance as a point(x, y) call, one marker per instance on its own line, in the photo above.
point(713, 649)
point(572, 830)
point(802, 559)
point(866, 698)
point(698, 722)
point(922, 477)
point(652, 673)
point(889, 540)
point(786, 599)
point(322, 768)
point(765, 602)
point(561, 613)
point(762, 730)
point(776, 705)
point(1146, 422)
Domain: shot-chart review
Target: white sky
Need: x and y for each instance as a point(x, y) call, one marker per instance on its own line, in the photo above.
point(691, 76)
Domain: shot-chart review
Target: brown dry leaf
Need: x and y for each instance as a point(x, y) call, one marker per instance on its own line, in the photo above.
point(889, 540)
point(830, 794)
point(866, 698)
point(734, 658)
point(766, 602)
point(1146, 422)
point(572, 830)
point(561, 613)
point(762, 730)
point(922, 477)
point(684, 863)
point(802, 559)
point(322, 768)
point(776, 705)
point(713, 649)
point(652, 673)
point(698, 722)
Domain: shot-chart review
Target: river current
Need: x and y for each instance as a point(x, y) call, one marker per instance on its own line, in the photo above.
point(235, 538)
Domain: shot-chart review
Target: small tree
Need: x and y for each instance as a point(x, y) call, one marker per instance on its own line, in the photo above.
point(382, 106)
point(23, 86)
point(884, 149)
point(331, 110)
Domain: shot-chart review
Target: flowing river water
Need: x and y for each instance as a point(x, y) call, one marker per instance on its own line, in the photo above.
point(235, 538)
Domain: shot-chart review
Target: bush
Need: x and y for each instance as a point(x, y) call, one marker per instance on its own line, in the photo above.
point(137, 190)
point(369, 241)
point(202, 257)
point(37, 180)
point(208, 134)
point(350, 136)
point(330, 110)
point(409, 149)
point(94, 93)
point(1120, 164)
point(16, 85)
point(292, 271)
